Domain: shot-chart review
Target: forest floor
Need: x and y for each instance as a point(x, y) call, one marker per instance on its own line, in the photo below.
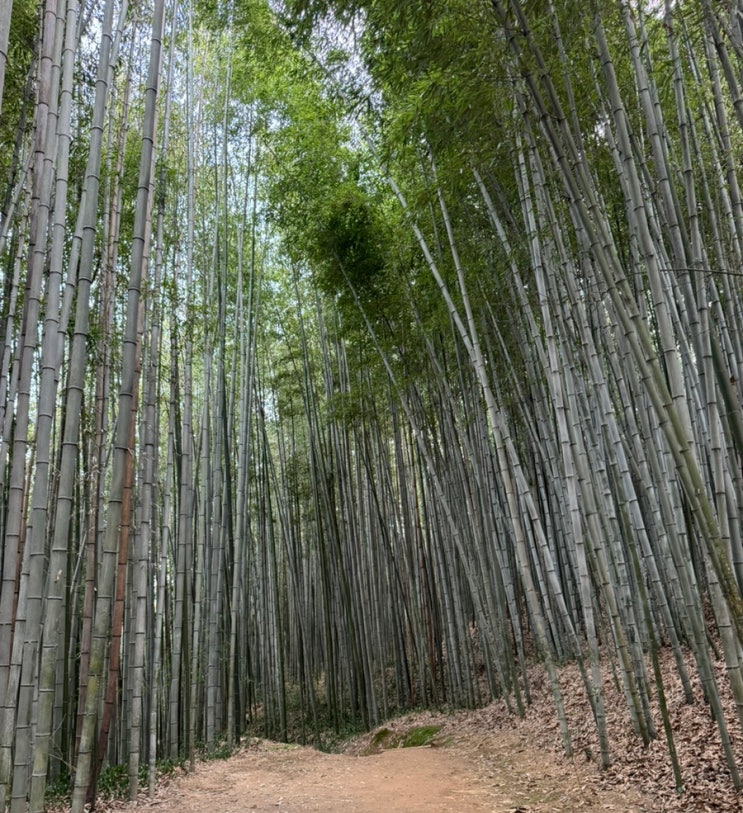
point(482, 760)
point(499, 773)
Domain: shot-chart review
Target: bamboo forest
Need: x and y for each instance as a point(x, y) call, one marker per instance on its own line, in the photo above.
point(356, 357)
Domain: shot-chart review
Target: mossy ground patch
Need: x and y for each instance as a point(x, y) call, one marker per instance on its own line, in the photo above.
point(385, 739)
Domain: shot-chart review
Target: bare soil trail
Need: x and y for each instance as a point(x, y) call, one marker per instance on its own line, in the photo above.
point(486, 759)
point(500, 773)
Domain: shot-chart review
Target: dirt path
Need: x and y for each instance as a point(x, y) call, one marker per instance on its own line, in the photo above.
point(499, 774)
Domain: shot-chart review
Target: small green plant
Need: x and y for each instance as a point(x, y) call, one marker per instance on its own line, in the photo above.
point(113, 782)
point(167, 767)
point(421, 735)
point(59, 792)
point(220, 749)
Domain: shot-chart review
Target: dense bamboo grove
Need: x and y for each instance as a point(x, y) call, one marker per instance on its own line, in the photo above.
point(355, 355)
